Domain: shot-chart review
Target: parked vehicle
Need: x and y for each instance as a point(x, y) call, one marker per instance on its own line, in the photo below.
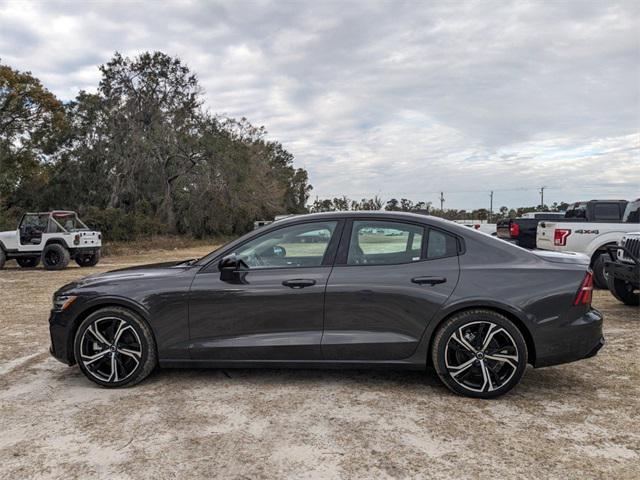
point(476, 308)
point(53, 237)
point(622, 269)
point(589, 228)
point(481, 226)
point(522, 230)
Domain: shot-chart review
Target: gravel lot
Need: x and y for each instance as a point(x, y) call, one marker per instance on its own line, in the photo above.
point(578, 421)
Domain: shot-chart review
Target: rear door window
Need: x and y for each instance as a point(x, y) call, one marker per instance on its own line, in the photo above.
point(378, 242)
point(607, 211)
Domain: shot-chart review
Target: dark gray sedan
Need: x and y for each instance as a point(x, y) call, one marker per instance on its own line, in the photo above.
point(338, 290)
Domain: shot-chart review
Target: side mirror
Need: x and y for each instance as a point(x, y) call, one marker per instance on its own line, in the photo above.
point(233, 269)
point(279, 251)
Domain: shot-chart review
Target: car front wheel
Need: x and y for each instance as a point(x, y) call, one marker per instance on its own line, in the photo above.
point(114, 347)
point(28, 262)
point(479, 353)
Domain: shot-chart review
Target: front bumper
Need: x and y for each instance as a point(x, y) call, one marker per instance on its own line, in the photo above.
point(61, 330)
point(579, 339)
point(627, 272)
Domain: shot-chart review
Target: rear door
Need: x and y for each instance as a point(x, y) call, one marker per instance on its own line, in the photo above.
point(389, 280)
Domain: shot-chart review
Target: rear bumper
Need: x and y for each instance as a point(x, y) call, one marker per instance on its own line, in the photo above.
point(582, 338)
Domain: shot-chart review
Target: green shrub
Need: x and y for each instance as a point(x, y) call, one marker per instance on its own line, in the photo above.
point(119, 226)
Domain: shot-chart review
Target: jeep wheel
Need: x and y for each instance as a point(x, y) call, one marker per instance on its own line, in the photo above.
point(28, 262)
point(55, 257)
point(623, 291)
point(3, 258)
point(88, 260)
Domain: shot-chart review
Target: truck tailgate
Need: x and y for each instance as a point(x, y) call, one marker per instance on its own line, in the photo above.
point(503, 228)
point(544, 236)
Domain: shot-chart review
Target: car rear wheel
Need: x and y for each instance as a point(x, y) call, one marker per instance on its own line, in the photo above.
point(3, 258)
point(88, 260)
point(28, 262)
point(55, 257)
point(114, 347)
point(479, 353)
point(624, 291)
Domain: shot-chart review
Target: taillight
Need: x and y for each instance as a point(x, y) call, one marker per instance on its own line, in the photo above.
point(560, 236)
point(76, 240)
point(514, 229)
point(585, 293)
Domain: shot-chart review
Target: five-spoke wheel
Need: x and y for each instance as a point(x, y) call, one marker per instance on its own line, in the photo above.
point(114, 347)
point(479, 353)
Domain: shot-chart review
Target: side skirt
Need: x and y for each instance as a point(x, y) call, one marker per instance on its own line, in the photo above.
point(315, 364)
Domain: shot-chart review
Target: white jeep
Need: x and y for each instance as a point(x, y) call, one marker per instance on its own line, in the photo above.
point(53, 237)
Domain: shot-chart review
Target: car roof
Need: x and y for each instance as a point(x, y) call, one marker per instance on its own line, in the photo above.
point(392, 215)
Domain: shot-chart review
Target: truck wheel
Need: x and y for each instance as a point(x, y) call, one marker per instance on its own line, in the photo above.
point(599, 278)
point(55, 257)
point(88, 260)
point(3, 258)
point(623, 291)
point(28, 262)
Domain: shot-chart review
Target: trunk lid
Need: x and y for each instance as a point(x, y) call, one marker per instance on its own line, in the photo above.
point(563, 257)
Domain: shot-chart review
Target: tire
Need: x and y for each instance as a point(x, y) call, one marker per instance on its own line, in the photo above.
point(623, 291)
point(3, 258)
point(28, 262)
point(55, 257)
point(90, 260)
point(599, 277)
point(468, 369)
point(136, 338)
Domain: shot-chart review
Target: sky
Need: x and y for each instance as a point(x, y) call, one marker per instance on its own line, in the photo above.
point(399, 99)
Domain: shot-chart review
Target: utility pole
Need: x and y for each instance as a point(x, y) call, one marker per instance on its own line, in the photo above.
point(542, 196)
point(491, 206)
point(441, 201)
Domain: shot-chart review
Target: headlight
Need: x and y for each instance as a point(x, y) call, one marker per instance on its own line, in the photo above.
point(62, 302)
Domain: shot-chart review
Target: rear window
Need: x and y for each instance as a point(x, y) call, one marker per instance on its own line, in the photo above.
point(441, 245)
point(607, 211)
point(632, 212)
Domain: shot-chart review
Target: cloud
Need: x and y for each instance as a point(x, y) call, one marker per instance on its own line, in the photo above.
point(401, 99)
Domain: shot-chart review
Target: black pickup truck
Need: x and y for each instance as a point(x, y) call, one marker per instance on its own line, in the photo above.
point(522, 230)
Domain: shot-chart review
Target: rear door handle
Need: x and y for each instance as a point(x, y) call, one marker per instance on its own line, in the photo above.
point(428, 280)
point(299, 283)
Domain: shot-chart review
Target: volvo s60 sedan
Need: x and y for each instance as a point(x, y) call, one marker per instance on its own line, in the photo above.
point(338, 290)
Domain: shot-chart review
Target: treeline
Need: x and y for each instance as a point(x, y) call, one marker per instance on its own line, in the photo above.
point(406, 205)
point(140, 156)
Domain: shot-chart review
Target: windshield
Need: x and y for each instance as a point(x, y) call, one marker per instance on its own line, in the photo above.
point(69, 221)
point(632, 212)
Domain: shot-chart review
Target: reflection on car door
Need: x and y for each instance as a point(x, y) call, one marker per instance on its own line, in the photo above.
point(276, 311)
point(385, 288)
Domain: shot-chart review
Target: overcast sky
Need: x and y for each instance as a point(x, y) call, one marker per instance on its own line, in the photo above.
point(397, 99)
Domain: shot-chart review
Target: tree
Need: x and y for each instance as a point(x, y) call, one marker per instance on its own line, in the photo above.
point(32, 122)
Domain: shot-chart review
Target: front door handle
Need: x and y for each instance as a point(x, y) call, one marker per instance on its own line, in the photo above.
point(428, 280)
point(299, 283)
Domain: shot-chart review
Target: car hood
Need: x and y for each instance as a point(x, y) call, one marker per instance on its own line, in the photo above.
point(134, 274)
point(563, 257)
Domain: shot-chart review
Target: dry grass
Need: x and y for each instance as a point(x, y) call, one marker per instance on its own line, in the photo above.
point(163, 242)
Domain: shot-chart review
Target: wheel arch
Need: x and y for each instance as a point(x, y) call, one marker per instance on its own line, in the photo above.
point(599, 251)
point(57, 241)
point(508, 312)
point(100, 304)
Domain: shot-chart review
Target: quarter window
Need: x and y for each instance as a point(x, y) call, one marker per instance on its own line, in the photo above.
point(289, 247)
point(441, 245)
point(384, 243)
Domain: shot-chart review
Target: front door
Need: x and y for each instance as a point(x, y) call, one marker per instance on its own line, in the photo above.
point(387, 284)
point(272, 309)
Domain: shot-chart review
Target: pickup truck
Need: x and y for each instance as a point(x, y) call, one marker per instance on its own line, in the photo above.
point(522, 230)
point(622, 268)
point(583, 233)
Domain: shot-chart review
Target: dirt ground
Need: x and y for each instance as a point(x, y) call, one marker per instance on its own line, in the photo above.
point(580, 420)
